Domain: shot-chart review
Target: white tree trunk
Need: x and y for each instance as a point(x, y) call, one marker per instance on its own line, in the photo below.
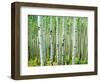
point(63, 41)
point(51, 41)
point(40, 39)
point(74, 40)
point(57, 41)
point(44, 40)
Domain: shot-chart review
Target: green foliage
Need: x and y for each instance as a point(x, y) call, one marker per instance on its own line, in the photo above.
point(81, 43)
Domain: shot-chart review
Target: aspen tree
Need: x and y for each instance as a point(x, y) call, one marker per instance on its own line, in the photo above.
point(43, 26)
point(51, 41)
point(40, 39)
point(74, 40)
point(57, 41)
point(63, 40)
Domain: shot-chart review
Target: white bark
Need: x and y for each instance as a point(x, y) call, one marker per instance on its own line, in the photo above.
point(40, 40)
point(63, 40)
point(44, 40)
point(51, 41)
point(57, 41)
point(74, 40)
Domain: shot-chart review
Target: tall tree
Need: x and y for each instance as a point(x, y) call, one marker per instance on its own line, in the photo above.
point(39, 21)
point(63, 40)
point(74, 39)
point(44, 39)
point(51, 42)
point(57, 40)
point(79, 40)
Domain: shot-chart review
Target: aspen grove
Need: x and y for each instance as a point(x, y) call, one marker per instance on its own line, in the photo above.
point(57, 40)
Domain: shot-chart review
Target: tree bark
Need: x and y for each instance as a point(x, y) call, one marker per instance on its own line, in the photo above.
point(74, 40)
point(51, 42)
point(44, 39)
point(40, 39)
point(63, 40)
point(57, 41)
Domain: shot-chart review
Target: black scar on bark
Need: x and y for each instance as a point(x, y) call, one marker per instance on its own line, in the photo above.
point(62, 44)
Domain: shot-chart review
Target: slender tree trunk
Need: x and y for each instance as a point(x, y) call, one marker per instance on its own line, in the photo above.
point(78, 43)
point(79, 48)
point(57, 41)
point(74, 40)
point(86, 45)
point(63, 40)
point(82, 43)
point(51, 42)
point(44, 40)
point(40, 40)
point(69, 42)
